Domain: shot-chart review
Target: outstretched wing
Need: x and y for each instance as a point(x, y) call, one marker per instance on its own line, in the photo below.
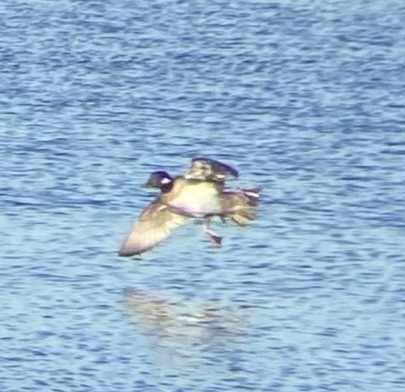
point(156, 222)
point(209, 169)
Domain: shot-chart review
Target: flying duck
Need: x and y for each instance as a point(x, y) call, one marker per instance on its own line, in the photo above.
point(199, 194)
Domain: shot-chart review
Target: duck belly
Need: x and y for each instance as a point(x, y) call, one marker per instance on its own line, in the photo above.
point(197, 202)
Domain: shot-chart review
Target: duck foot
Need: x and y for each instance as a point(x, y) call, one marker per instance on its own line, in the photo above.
point(214, 237)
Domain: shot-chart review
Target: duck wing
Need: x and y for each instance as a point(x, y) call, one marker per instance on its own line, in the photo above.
point(155, 223)
point(202, 168)
point(240, 205)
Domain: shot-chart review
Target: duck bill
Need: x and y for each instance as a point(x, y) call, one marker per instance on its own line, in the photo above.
point(150, 183)
point(147, 184)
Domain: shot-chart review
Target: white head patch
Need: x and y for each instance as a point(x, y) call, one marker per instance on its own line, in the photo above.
point(166, 181)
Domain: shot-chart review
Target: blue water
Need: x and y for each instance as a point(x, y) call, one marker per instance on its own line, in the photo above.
point(305, 98)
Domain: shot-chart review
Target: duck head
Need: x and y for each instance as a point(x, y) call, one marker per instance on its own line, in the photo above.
point(160, 180)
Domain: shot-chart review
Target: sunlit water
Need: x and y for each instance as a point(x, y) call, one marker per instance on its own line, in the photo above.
point(305, 98)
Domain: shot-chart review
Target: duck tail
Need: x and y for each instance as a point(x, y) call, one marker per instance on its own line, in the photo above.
point(241, 205)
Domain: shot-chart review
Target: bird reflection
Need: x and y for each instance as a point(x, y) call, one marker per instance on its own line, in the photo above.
point(173, 321)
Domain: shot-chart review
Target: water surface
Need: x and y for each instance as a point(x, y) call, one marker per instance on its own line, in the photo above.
point(305, 98)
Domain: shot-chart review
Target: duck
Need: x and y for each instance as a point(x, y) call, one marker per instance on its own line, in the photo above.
point(209, 170)
point(199, 194)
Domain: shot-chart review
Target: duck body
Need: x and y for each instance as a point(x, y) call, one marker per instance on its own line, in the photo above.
point(205, 198)
point(194, 198)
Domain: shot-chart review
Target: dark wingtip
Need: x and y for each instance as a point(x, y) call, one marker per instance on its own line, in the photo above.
point(128, 254)
point(126, 251)
point(218, 166)
point(122, 253)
